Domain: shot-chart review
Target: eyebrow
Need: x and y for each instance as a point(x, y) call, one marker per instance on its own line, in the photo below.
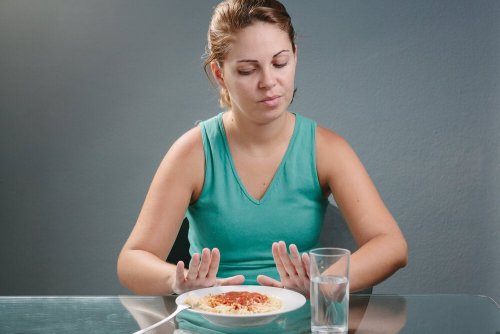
point(255, 61)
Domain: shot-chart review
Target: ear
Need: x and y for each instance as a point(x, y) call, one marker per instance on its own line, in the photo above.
point(217, 73)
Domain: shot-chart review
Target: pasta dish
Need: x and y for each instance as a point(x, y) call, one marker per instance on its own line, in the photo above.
point(236, 302)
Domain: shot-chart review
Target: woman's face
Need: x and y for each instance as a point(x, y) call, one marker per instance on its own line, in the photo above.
point(259, 72)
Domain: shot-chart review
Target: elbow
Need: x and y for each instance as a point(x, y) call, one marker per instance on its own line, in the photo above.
point(402, 254)
point(121, 272)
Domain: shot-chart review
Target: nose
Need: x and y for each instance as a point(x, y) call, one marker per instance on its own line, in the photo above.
point(267, 79)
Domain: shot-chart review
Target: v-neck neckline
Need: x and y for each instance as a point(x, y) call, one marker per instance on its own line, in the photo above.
point(276, 173)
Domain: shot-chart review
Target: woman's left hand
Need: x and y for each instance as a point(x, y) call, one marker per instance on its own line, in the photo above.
point(292, 268)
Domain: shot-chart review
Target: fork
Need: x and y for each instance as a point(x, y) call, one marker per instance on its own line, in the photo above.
point(180, 308)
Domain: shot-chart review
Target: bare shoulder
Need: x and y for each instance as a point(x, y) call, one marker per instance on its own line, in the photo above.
point(330, 145)
point(326, 138)
point(185, 161)
point(188, 146)
point(333, 154)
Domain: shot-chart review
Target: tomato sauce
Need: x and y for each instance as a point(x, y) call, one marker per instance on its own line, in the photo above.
point(238, 299)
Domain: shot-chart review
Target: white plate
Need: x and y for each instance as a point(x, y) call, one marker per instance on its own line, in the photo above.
point(290, 300)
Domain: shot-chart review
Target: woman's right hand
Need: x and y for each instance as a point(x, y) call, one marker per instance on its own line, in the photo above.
point(202, 273)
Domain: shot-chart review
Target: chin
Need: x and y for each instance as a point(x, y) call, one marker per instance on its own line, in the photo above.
point(272, 114)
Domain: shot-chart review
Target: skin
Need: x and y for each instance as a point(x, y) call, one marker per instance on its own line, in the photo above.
point(258, 73)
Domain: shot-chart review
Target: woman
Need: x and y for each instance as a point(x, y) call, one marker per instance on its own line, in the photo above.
point(256, 177)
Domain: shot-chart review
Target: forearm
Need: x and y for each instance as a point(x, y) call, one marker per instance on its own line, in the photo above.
point(144, 273)
point(376, 260)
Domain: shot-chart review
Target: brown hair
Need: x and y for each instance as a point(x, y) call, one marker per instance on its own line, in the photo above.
point(229, 17)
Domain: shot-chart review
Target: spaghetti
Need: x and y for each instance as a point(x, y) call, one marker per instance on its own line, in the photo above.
point(236, 302)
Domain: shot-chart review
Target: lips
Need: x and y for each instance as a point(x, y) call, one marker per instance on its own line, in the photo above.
point(271, 101)
point(270, 98)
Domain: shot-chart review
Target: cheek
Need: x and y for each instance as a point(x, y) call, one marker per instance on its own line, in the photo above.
point(288, 76)
point(289, 81)
point(239, 90)
point(292, 75)
point(242, 87)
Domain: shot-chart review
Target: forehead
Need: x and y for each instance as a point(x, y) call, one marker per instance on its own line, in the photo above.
point(259, 40)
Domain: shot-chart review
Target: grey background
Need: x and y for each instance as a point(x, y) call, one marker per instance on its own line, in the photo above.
point(93, 93)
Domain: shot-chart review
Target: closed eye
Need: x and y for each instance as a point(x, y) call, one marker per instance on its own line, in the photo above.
point(245, 72)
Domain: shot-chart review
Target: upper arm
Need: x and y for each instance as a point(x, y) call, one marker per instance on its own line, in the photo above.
point(341, 172)
point(177, 182)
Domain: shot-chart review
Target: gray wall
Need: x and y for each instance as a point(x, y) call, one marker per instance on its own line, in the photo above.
point(92, 94)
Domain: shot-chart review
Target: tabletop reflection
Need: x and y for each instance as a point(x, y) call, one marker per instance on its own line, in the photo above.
point(367, 314)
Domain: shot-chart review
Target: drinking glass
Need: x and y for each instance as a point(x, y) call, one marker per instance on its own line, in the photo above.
point(329, 273)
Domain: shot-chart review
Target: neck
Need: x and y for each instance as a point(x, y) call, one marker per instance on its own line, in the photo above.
point(258, 138)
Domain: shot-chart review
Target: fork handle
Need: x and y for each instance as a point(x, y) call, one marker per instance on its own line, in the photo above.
point(161, 322)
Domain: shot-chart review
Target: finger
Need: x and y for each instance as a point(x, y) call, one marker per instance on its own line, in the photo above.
point(277, 259)
point(193, 267)
point(214, 264)
point(285, 259)
point(307, 263)
point(297, 261)
point(179, 272)
point(179, 277)
point(268, 281)
point(205, 263)
point(233, 280)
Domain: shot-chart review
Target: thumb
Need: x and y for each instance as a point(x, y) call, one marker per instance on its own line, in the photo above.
point(233, 280)
point(268, 281)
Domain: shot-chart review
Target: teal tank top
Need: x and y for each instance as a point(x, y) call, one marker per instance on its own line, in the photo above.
point(226, 216)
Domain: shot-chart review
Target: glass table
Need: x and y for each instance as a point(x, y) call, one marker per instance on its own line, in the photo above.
point(127, 314)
